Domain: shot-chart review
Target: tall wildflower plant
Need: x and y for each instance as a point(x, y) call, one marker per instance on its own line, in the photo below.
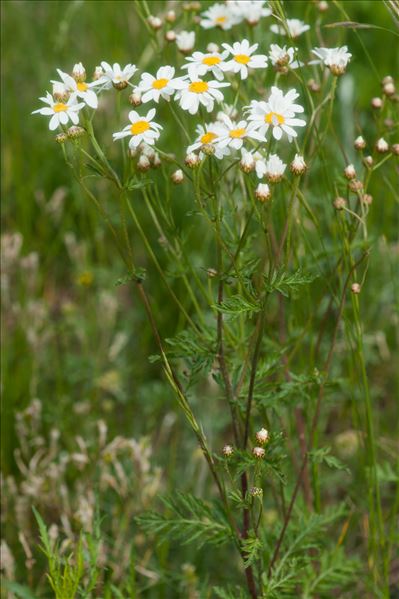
point(238, 117)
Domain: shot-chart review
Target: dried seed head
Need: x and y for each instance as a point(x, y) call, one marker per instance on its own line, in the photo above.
point(350, 172)
point(170, 36)
point(170, 16)
point(368, 161)
point(177, 177)
point(339, 203)
point(227, 451)
point(298, 166)
point(135, 98)
point(154, 22)
point(314, 86)
point(355, 288)
point(376, 103)
point(192, 160)
point(355, 185)
point(75, 132)
point(143, 164)
point(262, 192)
point(360, 143)
point(382, 146)
point(262, 436)
point(61, 138)
point(395, 149)
point(367, 199)
point(389, 89)
point(256, 492)
point(258, 452)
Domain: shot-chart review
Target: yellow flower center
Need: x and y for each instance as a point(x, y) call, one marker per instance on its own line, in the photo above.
point(60, 107)
point(207, 138)
point(220, 20)
point(272, 118)
point(160, 83)
point(211, 60)
point(82, 86)
point(237, 132)
point(198, 87)
point(139, 127)
point(242, 58)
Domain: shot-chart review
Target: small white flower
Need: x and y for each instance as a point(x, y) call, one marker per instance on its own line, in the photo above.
point(185, 41)
point(79, 89)
point(262, 193)
point(60, 92)
point(336, 59)
point(234, 134)
point(219, 15)
point(262, 436)
point(249, 10)
point(140, 129)
point(350, 171)
point(79, 72)
point(115, 76)
point(98, 73)
point(298, 166)
point(243, 59)
point(154, 22)
point(153, 88)
point(382, 145)
point(177, 177)
point(247, 162)
point(275, 168)
point(209, 135)
point(295, 28)
point(192, 92)
point(228, 109)
point(60, 112)
point(200, 64)
point(278, 112)
point(283, 57)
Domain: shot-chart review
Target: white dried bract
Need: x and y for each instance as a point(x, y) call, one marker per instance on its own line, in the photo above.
point(247, 162)
point(192, 160)
point(143, 163)
point(258, 452)
point(185, 41)
point(355, 288)
point(177, 177)
point(228, 451)
point(135, 98)
point(350, 172)
point(79, 72)
point(339, 203)
point(376, 103)
point(382, 146)
point(298, 166)
point(359, 143)
point(262, 192)
point(262, 436)
point(154, 22)
point(170, 36)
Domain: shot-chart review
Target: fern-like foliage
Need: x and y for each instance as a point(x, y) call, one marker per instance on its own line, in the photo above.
point(238, 304)
point(285, 282)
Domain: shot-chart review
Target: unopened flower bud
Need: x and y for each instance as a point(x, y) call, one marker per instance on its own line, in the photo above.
point(395, 149)
point(313, 86)
point(368, 161)
point(170, 36)
point(382, 146)
point(360, 143)
point(212, 273)
point(61, 138)
point(154, 22)
point(247, 162)
point(208, 149)
point(79, 72)
point(355, 185)
point(376, 103)
point(185, 41)
point(337, 69)
point(322, 6)
point(60, 92)
point(135, 98)
point(387, 79)
point(262, 192)
point(177, 177)
point(75, 132)
point(350, 172)
point(355, 288)
point(132, 152)
point(212, 47)
point(258, 452)
point(192, 160)
point(367, 199)
point(256, 492)
point(170, 16)
point(156, 160)
point(298, 165)
point(227, 451)
point(339, 203)
point(143, 163)
point(389, 89)
point(120, 85)
point(389, 123)
point(98, 72)
point(262, 436)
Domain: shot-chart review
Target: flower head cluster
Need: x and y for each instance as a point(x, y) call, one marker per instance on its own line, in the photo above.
point(336, 59)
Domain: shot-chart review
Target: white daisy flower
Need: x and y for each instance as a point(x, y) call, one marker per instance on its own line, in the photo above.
point(191, 92)
point(234, 134)
point(160, 86)
point(60, 112)
point(219, 15)
point(283, 57)
point(185, 41)
point(275, 168)
point(250, 10)
point(115, 76)
point(79, 89)
point(295, 28)
point(209, 135)
point(336, 59)
point(200, 64)
point(278, 112)
point(243, 59)
point(141, 129)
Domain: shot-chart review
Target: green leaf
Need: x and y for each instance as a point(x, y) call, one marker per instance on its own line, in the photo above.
point(252, 547)
point(285, 282)
point(237, 304)
point(135, 183)
point(138, 275)
point(19, 590)
point(322, 455)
